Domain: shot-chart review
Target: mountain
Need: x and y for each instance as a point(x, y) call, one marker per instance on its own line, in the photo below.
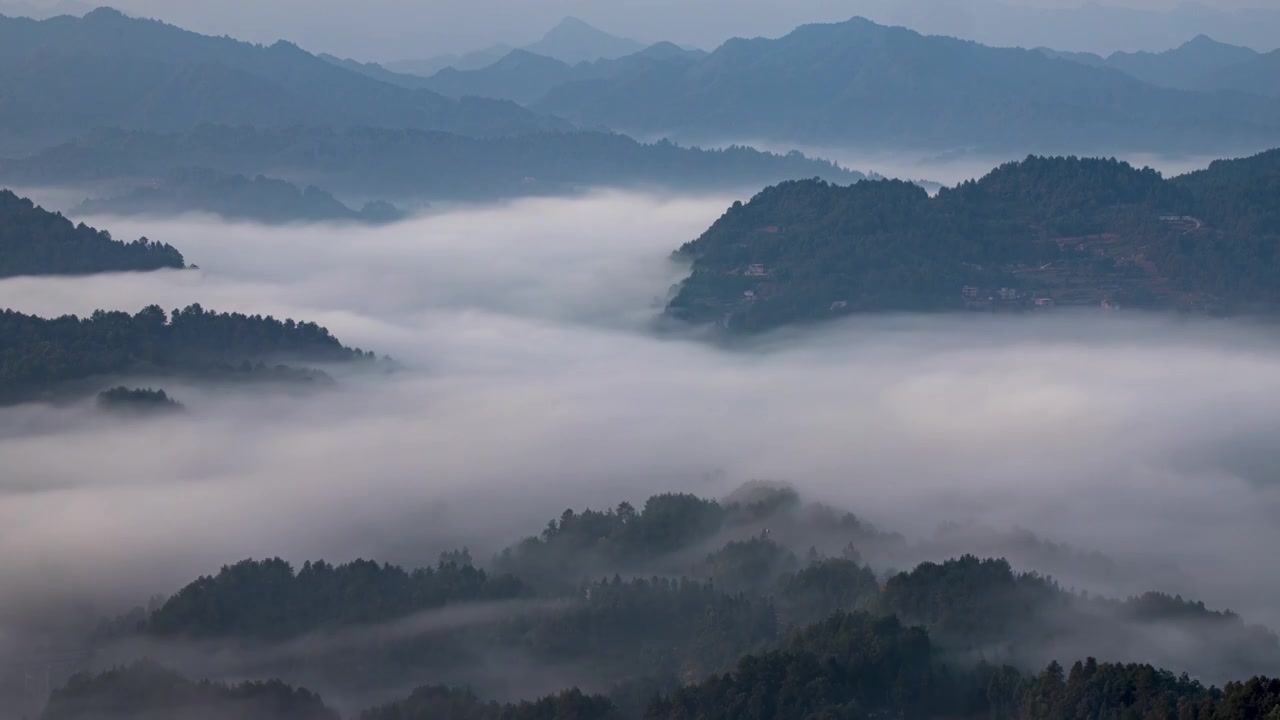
point(1260, 75)
point(1040, 233)
point(857, 83)
point(467, 61)
point(34, 241)
point(571, 41)
point(400, 164)
point(1186, 67)
point(526, 77)
point(520, 76)
point(64, 76)
point(1095, 27)
point(234, 197)
point(44, 358)
point(1201, 64)
point(377, 72)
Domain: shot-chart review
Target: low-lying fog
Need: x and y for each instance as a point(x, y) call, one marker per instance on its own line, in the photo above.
point(532, 382)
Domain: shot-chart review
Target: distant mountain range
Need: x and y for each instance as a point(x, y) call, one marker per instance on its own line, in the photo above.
point(526, 77)
point(235, 197)
point(410, 164)
point(1029, 236)
point(1200, 64)
point(571, 42)
point(64, 76)
point(1096, 27)
point(857, 83)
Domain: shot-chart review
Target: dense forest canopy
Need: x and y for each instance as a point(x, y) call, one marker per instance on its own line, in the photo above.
point(137, 401)
point(40, 358)
point(1034, 234)
point(749, 618)
point(34, 241)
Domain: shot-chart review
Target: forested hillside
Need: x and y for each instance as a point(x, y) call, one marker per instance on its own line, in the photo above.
point(45, 358)
point(146, 691)
point(747, 622)
point(1036, 234)
point(34, 241)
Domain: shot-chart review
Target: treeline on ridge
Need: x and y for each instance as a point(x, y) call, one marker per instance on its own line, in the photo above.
point(40, 358)
point(34, 241)
point(638, 602)
point(1038, 233)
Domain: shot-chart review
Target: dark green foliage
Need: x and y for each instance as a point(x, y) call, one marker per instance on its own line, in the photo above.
point(858, 83)
point(970, 601)
point(1239, 195)
point(137, 400)
point(409, 163)
point(581, 544)
point(824, 588)
point(34, 241)
point(849, 666)
point(918, 647)
point(443, 703)
point(259, 198)
point(981, 608)
point(625, 630)
point(750, 566)
point(1070, 231)
point(145, 691)
point(268, 600)
point(40, 356)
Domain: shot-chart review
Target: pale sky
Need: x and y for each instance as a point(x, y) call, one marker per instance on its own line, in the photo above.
point(403, 29)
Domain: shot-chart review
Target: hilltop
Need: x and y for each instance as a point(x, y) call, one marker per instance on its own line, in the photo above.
point(1041, 233)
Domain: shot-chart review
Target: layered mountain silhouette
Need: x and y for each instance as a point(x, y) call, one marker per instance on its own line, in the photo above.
point(859, 83)
point(526, 77)
point(409, 164)
point(1202, 64)
point(571, 41)
point(63, 76)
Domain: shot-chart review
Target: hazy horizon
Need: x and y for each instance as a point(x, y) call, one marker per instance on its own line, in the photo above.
point(392, 30)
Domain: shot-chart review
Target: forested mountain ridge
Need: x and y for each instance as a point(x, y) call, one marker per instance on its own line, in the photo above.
point(407, 163)
point(34, 241)
point(1039, 233)
point(65, 76)
point(147, 691)
point(744, 625)
point(235, 197)
point(45, 358)
point(549, 601)
point(862, 84)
